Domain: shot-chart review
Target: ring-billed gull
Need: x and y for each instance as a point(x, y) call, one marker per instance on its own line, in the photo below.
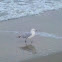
point(28, 35)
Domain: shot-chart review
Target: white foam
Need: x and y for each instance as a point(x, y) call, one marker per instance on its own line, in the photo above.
point(43, 34)
point(19, 8)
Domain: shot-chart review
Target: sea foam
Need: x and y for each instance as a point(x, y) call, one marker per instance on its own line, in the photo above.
point(41, 34)
point(17, 8)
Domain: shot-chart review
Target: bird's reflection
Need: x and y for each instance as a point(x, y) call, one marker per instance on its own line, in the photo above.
point(29, 48)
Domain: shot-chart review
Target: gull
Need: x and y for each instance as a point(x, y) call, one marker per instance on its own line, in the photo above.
point(28, 35)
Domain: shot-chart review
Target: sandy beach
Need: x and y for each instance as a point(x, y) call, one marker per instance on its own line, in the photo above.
point(10, 45)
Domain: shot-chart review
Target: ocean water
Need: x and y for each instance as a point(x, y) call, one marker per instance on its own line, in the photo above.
point(17, 8)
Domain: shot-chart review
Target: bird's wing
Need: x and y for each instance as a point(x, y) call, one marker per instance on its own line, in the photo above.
point(26, 35)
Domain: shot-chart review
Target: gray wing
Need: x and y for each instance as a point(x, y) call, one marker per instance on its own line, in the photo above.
point(26, 35)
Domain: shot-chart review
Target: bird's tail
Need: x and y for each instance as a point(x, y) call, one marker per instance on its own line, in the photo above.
point(19, 36)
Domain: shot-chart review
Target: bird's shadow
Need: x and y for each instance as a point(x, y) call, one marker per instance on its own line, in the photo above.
point(29, 48)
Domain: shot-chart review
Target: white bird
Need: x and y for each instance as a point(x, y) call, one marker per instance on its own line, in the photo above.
point(28, 35)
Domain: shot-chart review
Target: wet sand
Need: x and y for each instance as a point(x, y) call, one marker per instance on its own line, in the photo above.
point(56, 57)
point(13, 49)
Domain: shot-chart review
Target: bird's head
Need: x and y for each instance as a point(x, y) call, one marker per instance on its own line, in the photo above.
point(33, 30)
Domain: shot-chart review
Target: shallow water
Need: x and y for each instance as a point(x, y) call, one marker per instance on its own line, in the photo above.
point(13, 49)
point(48, 39)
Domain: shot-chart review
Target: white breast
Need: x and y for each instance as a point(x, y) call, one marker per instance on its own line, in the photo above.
point(33, 34)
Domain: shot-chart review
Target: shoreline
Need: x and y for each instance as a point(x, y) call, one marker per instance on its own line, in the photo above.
point(50, 16)
point(33, 15)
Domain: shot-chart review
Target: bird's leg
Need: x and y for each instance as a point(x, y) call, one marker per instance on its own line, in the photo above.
point(26, 41)
point(31, 41)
